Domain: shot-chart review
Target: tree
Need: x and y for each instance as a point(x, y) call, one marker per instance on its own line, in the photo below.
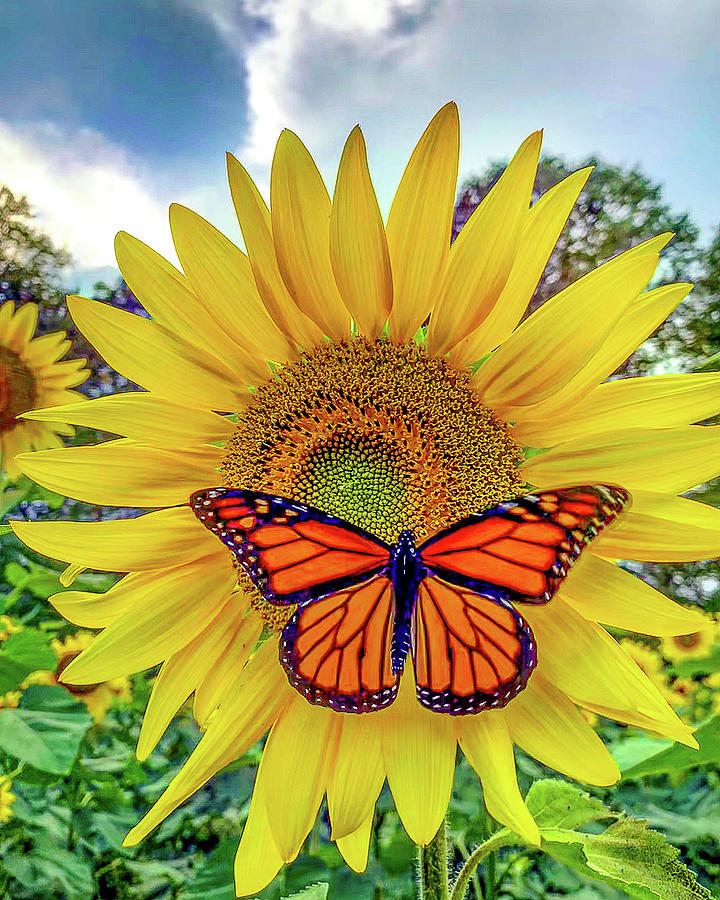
point(31, 266)
point(617, 209)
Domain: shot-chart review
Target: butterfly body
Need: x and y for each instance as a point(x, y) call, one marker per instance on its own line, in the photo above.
point(452, 602)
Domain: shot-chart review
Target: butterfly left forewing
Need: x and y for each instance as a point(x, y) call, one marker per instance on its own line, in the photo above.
point(527, 545)
point(292, 552)
point(471, 649)
point(336, 650)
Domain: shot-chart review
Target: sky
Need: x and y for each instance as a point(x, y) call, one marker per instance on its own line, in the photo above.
point(112, 109)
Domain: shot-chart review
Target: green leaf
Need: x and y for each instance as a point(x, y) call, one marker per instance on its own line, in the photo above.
point(558, 804)
point(213, 878)
point(691, 667)
point(48, 870)
point(5, 529)
point(22, 654)
point(679, 757)
point(46, 731)
point(317, 891)
point(628, 856)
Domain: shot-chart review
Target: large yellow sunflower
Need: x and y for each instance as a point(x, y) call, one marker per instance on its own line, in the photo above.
point(314, 339)
point(31, 375)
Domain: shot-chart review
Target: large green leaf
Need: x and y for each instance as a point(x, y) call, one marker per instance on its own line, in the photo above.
point(559, 804)
point(46, 731)
point(678, 757)
point(628, 856)
point(22, 654)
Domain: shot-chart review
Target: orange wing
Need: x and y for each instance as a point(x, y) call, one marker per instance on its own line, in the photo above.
point(336, 651)
point(472, 651)
point(292, 552)
point(526, 545)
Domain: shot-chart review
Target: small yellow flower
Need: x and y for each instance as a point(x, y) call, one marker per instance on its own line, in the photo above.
point(32, 376)
point(98, 697)
point(696, 645)
point(302, 368)
point(7, 798)
point(8, 627)
point(10, 700)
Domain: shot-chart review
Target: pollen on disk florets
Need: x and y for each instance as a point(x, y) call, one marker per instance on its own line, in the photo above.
point(379, 434)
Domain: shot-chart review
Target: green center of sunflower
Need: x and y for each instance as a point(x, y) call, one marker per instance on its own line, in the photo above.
point(379, 434)
point(17, 388)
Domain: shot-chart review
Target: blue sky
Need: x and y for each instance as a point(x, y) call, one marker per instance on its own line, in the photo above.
point(112, 109)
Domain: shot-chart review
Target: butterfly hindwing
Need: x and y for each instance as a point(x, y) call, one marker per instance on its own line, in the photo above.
point(336, 650)
point(292, 552)
point(472, 650)
point(525, 546)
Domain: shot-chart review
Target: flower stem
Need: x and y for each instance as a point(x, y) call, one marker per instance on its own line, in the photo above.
point(502, 838)
point(432, 862)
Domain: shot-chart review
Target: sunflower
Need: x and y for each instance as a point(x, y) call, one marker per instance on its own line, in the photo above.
point(97, 697)
point(696, 645)
point(31, 375)
point(304, 368)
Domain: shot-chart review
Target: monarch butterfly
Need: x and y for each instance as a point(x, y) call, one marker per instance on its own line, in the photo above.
point(363, 604)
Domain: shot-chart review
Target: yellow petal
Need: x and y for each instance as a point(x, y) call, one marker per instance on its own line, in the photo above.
point(258, 859)
point(554, 343)
point(163, 618)
point(123, 545)
point(643, 317)
point(661, 528)
point(297, 758)
point(651, 459)
point(357, 776)
point(60, 375)
point(21, 327)
point(485, 741)
point(354, 846)
point(548, 727)
point(418, 749)
point(150, 357)
point(143, 417)
point(659, 401)
point(358, 247)
point(123, 473)
point(47, 349)
point(254, 219)
point(668, 726)
point(420, 222)
point(586, 664)
point(220, 274)
point(543, 226)
point(211, 691)
point(255, 698)
point(482, 256)
point(182, 672)
point(605, 593)
point(166, 294)
point(300, 211)
point(96, 610)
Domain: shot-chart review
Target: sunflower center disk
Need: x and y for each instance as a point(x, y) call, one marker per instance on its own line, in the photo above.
point(378, 434)
point(17, 388)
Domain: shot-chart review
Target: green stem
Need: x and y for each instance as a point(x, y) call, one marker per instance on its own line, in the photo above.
point(432, 862)
point(502, 838)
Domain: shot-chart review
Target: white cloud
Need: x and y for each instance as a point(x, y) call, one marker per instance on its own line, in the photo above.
point(83, 189)
point(628, 81)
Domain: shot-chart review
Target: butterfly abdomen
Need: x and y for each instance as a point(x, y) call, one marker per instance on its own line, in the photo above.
point(406, 572)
